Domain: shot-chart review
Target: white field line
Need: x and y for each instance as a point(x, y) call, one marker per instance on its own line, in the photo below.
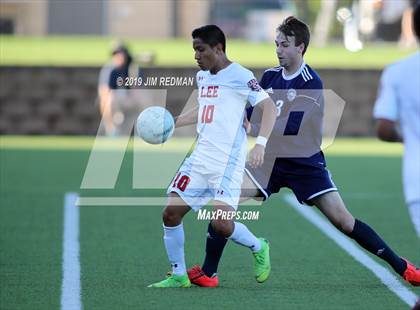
point(386, 277)
point(104, 201)
point(136, 201)
point(70, 288)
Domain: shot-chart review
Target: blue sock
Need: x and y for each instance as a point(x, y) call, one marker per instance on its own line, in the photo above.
point(369, 239)
point(214, 249)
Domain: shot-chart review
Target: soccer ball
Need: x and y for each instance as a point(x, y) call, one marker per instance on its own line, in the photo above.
point(155, 125)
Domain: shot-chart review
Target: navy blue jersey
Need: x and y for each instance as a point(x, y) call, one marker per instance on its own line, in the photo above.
point(297, 135)
point(110, 76)
point(115, 74)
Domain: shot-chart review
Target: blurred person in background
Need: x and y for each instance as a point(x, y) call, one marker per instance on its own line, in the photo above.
point(116, 103)
point(397, 114)
point(408, 38)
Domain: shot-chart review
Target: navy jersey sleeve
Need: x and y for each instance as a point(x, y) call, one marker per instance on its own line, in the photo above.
point(313, 84)
point(263, 81)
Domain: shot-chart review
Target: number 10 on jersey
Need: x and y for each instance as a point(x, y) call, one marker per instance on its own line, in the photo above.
point(207, 114)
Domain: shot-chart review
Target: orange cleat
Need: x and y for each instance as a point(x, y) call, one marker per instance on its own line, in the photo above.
point(412, 274)
point(198, 277)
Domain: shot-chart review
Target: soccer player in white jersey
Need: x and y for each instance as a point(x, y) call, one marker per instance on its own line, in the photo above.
point(214, 170)
point(398, 105)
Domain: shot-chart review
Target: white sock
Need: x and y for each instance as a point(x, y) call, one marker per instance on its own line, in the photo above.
point(241, 235)
point(414, 210)
point(174, 244)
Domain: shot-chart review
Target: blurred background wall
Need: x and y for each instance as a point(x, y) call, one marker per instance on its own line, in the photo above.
point(63, 100)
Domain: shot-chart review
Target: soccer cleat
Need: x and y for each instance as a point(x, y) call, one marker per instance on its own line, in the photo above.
point(417, 305)
point(411, 274)
point(198, 277)
point(173, 281)
point(262, 265)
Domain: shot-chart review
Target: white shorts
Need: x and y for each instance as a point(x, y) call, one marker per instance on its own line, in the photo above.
point(197, 184)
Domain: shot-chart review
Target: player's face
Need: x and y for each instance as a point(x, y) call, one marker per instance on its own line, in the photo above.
point(118, 59)
point(287, 53)
point(205, 55)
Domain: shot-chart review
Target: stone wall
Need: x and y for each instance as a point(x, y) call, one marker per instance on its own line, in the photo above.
point(358, 88)
point(63, 100)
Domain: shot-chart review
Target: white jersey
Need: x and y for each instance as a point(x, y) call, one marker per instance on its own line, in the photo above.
point(399, 101)
point(222, 98)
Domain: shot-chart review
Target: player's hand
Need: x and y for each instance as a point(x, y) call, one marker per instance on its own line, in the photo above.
point(247, 125)
point(256, 156)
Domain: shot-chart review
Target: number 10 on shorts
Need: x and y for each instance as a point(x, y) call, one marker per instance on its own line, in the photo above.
point(181, 181)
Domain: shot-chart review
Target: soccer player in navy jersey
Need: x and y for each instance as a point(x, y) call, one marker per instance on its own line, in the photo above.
point(296, 161)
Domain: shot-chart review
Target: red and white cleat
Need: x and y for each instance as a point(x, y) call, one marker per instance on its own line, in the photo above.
point(198, 277)
point(412, 274)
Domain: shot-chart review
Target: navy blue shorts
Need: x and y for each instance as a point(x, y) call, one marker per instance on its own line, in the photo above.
point(306, 181)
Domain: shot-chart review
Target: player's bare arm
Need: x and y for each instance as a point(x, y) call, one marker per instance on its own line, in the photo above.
point(386, 130)
point(105, 100)
point(256, 155)
point(188, 118)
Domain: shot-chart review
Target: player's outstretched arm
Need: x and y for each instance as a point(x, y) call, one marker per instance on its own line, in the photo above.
point(256, 156)
point(187, 118)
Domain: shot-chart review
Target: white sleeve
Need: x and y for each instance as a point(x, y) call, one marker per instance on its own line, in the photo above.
point(386, 105)
point(256, 93)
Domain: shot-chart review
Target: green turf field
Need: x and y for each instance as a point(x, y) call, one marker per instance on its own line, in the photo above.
point(121, 248)
point(94, 51)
